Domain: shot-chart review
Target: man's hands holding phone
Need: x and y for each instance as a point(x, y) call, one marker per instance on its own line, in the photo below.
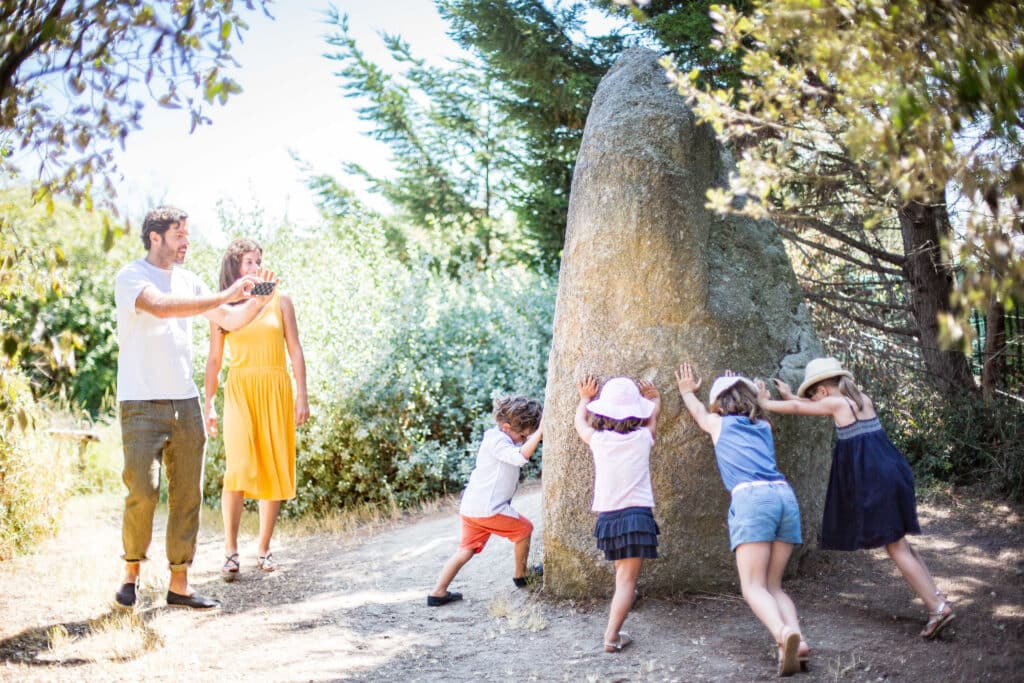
point(248, 286)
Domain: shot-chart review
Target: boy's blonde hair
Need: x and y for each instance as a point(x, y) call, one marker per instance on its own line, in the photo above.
point(522, 413)
point(739, 400)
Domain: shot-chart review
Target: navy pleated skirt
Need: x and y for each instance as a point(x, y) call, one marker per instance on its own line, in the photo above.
point(629, 532)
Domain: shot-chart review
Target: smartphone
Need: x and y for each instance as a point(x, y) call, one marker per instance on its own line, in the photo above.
point(262, 288)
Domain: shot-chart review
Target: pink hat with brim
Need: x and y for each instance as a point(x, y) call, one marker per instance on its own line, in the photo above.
point(620, 399)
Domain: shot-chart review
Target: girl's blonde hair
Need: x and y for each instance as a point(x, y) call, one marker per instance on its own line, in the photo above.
point(739, 400)
point(846, 387)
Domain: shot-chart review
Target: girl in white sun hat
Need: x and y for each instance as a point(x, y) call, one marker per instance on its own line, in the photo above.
point(619, 426)
point(870, 501)
point(764, 518)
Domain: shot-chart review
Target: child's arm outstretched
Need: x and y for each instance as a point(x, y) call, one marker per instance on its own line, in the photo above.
point(651, 393)
point(791, 404)
point(530, 445)
point(688, 384)
point(588, 390)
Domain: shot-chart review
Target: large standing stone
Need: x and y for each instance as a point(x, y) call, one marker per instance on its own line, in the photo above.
point(650, 278)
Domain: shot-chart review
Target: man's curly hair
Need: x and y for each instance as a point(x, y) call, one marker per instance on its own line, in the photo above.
point(159, 220)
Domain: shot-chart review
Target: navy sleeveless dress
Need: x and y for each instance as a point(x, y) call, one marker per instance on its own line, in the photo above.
point(870, 500)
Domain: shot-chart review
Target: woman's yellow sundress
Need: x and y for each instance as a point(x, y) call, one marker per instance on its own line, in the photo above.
point(259, 410)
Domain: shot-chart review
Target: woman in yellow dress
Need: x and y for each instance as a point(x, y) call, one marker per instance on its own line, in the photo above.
point(260, 411)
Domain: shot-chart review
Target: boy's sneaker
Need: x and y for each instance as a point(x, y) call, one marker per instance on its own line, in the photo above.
point(434, 601)
point(532, 574)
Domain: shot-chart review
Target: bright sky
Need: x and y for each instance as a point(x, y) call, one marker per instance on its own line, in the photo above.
point(291, 102)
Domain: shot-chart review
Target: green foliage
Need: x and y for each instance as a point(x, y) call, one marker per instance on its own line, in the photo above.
point(453, 149)
point(857, 113)
point(683, 28)
point(35, 475)
point(548, 71)
point(97, 55)
point(402, 359)
point(57, 310)
point(961, 441)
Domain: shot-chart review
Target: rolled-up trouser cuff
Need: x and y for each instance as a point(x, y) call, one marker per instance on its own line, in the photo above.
point(141, 559)
point(180, 567)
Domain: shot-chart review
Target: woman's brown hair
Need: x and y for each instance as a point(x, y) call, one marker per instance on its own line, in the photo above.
point(231, 264)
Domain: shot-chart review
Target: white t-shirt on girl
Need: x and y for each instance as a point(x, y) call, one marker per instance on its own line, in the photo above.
point(622, 469)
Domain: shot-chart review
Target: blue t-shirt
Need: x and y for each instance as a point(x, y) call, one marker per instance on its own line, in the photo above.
point(745, 451)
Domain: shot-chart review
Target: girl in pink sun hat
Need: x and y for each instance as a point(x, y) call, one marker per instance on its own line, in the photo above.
point(619, 426)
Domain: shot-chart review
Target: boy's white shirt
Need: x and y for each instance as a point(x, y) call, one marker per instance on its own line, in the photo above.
point(155, 354)
point(495, 478)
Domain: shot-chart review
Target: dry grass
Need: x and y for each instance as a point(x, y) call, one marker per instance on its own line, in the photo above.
point(353, 524)
point(114, 637)
point(528, 617)
point(838, 670)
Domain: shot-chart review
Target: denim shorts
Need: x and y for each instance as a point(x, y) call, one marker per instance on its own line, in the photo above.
point(764, 513)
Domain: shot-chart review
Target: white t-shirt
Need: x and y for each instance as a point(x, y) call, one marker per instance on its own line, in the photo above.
point(494, 480)
point(155, 357)
point(622, 469)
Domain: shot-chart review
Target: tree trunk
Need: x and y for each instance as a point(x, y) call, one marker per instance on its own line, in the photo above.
point(994, 354)
point(930, 280)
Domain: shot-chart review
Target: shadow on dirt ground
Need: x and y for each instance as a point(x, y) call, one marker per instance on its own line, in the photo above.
point(342, 609)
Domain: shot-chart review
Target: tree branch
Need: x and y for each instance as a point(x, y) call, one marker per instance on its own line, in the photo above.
point(867, 322)
point(791, 235)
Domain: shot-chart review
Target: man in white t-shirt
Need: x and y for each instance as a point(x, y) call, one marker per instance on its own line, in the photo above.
point(158, 401)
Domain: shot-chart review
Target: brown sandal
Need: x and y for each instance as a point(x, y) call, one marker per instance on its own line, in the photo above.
point(789, 646)
point(230, 570)
point(803, 656)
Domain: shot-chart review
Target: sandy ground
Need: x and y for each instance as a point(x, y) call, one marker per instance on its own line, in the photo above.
point(354, 610)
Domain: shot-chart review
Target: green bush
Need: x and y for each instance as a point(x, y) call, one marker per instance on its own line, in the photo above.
point(35, 475)
point(961, 441)
point(403, 362)
point(59, 324)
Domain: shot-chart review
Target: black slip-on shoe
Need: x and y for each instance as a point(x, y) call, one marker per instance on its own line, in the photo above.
point(125, 597)
point(434, 601)
point(194, 601)
point(533, 573)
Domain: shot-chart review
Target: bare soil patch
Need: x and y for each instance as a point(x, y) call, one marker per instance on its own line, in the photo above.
point(343, 609)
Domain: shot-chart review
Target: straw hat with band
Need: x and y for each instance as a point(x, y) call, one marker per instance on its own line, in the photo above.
point(819, 370)
point(724, 384)
point(620, 399)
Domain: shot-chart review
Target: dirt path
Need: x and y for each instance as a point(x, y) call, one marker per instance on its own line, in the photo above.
point(355, 611)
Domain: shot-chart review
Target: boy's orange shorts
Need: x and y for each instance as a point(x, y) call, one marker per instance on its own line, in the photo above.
point(477, 530)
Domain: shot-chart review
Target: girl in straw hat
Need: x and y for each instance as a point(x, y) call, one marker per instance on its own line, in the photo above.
point(870, 500)
point(764, 518)
point(619, 426)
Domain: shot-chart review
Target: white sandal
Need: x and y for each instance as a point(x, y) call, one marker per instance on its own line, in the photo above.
point(266, 562)
point(938, 619)
point(624, 640)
